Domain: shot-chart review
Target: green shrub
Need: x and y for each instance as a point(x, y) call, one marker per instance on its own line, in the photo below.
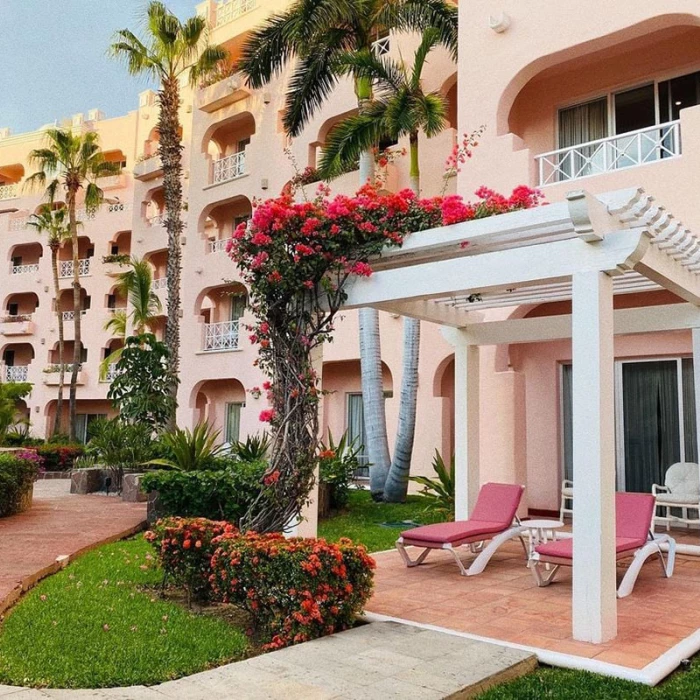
point(223, 494)
point(17, 473)
point(441, 491)
point(190, 450)
point(253, 449)
point(59, 457)
point(295, 589)
point(338, 464)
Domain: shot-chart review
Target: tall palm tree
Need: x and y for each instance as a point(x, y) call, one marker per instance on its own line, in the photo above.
point(72, 162)
point(169, 50)
point(143, 305)
point(54, 223)
point(319, 34)
point(399, 108)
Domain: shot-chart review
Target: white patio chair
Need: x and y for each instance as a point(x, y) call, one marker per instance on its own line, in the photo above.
point(681, 490)
point(567, 499)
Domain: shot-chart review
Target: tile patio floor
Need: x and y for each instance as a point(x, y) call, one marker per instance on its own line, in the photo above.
point(503, 603)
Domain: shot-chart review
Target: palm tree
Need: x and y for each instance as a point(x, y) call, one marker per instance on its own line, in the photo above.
point(320, 35)
point(54, 223)
point(169, 50)
point(399, 108)
point(136, 284)
point(72, 162)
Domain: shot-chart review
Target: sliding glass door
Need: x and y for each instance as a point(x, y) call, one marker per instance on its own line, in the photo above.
point(655, 420)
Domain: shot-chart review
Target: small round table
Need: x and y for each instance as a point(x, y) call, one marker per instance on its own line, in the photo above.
point(539, 532)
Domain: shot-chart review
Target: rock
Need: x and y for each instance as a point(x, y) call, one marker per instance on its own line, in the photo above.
point(131, 489)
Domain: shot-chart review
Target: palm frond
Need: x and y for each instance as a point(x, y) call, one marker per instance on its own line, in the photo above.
point(386, 74)
point(432, 112)
point(116, 324)
point(430, 39)
point(207, 63)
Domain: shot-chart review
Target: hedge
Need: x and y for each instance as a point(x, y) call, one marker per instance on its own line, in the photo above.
point(17, 474)
point(57, 457)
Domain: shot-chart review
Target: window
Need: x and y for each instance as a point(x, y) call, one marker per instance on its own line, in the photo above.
point(10, 358)
point(355, 426)
point(111, 301)
point(237, 307)
point(242, 145)
point(232, 426)
point(13, 309)
point(82, 425)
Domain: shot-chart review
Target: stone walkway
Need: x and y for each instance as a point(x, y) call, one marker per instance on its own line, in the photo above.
point(57, 525)
point(377, 661)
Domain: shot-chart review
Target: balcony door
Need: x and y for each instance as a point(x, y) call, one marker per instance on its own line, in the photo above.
point(579, 125)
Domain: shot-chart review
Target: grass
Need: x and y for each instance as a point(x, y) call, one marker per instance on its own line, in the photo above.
point(96, 624)
point(362, 520)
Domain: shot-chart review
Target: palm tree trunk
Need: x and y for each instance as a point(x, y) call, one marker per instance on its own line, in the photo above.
point(397, 480)
point(58, 420)
point(371, 354)
point(77, 318)
point(170, 151)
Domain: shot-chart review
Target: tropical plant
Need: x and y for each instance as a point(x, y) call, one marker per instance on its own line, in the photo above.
point(399, 108)
point(73, 163)
point(10, 394)
point(140, 390)
point(254, 448)
point(54, 223)
point(323, 35)
point(440, 490)
point(338, 463)
point(169, 50)
point(136, 284)
point(17, 474)
point(190, 450)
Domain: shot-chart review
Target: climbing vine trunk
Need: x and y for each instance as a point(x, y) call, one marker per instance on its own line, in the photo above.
point(58, 420)
point(396, 487)
point(77, 316)
point(170, 152)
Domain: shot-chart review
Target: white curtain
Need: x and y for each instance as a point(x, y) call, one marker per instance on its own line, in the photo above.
point(356, 428)
point(232, 427)
point(578, 125)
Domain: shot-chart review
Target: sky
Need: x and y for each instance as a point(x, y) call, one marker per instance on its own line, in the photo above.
point(54, 61)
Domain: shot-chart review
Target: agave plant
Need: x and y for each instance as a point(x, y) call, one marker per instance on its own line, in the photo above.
point(253, 449)
point(191, 450)
point(440, 491)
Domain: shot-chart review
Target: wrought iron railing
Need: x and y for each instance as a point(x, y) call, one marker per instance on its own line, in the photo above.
point(65, 268)
point(228, 10)
point(221, 336)
point(634, 148)
point(229, 167)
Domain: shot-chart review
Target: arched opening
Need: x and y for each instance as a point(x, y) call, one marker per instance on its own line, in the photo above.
point(25, 258)
point(225, 146)
point(221, 309)
point(220, 402)
point(153, 207)
point(86, 251)
point(120, 244)
point(221, 221)
point(159, 262)
point(444, 387)
point(64, 303)
point(20, 305)
point(87, 412)
point(316, 147)
point(16, 359)
point(115, 300)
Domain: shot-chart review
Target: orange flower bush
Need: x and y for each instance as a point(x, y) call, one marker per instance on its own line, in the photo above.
point(295, 589)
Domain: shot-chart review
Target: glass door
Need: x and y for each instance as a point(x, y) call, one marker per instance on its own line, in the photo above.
point(634, 110)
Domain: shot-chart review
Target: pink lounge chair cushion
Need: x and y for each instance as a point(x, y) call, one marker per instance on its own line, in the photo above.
point(633, 515)
point(564, 549)
point(449, 533)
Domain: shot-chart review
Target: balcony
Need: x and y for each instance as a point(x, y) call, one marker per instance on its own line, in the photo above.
point(24, 269)
point(218, 246)
point(149, 168)
point(635, 148)
point(229, 168)
point(230, 10)
point(111, 373)
point(17, 325)
point(9, 191)
point(52, 374)
point(17, 373)
point(221, 336)
point(159, 283)
point(222, 93)
point(65, 268)
point(70, 315)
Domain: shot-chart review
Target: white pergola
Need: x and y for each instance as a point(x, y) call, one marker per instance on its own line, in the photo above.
point(587, 249)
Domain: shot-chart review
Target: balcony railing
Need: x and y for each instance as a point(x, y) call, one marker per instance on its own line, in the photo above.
point(229, 167)
point(229, 10)
point(607, 155)
point(24, 269)
point(8, 191)
point(18, 223)
point(160, 283)
point(382, 46)
point(221, 336)
point(218, 246)
point(65, 268)
point(112, 372)
point(70, 315)
point(17, 373)
point(156, 220)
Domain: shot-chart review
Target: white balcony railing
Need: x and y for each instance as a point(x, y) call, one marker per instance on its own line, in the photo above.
point(18, 373)
point(156, 220)
point(221, 336)
point(70, 315)
point(112, 372)
point(218, 246)
point(65, 268)
point(24, 269)
point(229, 167)
point(18, 223)
point(228, 10)
point(160, 283)
point(8, 191)
point(382, 46)
point(607, 155)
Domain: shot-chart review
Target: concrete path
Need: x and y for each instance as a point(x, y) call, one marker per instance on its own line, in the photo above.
point(58, 524)
point(377, 661)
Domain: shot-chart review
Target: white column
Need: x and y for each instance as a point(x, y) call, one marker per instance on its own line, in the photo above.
point(466, 422)
point(594, 601)
point(696, 385)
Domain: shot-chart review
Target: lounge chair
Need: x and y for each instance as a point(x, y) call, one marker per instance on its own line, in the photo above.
point(681, 490)
point(493, 519)
point(634, 513)
point(567, 499)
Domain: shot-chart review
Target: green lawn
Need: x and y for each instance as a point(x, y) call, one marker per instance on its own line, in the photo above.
point(96, 624)
point(362, 520)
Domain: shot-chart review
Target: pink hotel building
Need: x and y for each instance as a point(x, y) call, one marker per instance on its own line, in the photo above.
point(573, 96)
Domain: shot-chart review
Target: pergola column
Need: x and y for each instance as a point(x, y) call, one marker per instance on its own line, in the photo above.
point(466, 421)
point(594, 602)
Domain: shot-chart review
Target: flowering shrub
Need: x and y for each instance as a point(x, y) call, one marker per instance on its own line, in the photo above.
point(297, 258)
point(59, 458)
point(185, 549)
point(295, 589)
point(17, 474)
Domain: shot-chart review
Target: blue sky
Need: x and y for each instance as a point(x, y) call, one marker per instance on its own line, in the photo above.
point(54, 61)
